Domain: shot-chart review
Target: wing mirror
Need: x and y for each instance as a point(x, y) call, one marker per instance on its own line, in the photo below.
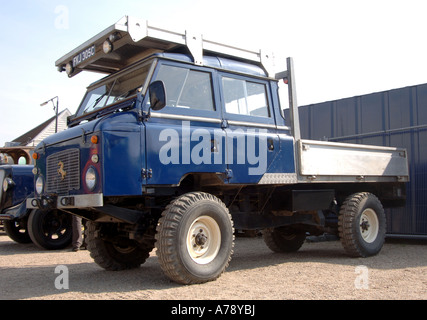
point(157, 95)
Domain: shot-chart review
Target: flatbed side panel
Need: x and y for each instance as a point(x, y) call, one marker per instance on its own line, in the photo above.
point(335, 161)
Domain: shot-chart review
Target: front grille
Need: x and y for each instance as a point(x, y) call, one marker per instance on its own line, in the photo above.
point(63, 171)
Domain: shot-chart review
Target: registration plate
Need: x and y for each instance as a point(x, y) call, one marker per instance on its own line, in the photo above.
point(84, 55)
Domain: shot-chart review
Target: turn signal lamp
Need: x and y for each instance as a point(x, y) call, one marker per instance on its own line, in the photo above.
point(94, 139)
point(35, 156)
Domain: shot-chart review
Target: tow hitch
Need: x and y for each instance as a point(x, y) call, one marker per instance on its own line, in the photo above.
point(45, 202)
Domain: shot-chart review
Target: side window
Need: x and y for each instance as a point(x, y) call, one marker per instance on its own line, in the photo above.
point(186, 88)
point(245, 97)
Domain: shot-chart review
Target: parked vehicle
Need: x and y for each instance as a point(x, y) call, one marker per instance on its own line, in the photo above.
point(48, 229)
point(185, 141)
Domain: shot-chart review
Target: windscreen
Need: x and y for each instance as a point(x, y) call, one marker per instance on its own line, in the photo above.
point(114, 89)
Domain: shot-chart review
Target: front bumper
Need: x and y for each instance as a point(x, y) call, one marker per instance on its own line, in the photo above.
point(13, 213)
point(66, 202)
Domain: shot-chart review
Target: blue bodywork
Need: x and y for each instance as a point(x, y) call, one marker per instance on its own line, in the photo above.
point(132, 138)
point(21, 185)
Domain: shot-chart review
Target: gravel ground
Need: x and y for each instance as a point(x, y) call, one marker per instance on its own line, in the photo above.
point(319, 270)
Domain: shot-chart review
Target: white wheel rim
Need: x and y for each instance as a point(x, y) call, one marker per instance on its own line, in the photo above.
point(369, 225)
point(203, 240)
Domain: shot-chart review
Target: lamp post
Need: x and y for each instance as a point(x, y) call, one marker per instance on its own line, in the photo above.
point(55, 108)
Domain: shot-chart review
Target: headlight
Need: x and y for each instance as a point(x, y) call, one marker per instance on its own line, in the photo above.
point(39, 185)
point(7, 183)
point(69, 69)
point(107, 46)
point(90, 178)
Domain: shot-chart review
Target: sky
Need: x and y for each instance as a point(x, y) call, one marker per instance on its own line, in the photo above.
point(341, 48)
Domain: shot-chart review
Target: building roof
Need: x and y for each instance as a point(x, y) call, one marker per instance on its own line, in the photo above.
point(45, 129)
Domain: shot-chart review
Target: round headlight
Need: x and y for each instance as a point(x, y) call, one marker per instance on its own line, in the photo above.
point(5, 185)
point(39, 185)
point(69, 69)
point(90, 178)
point(107, 46)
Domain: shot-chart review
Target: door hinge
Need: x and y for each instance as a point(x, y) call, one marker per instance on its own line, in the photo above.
point(224, 124)
point(146, 174)
point(228, 174)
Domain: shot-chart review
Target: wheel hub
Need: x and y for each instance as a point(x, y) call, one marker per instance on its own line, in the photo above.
point(364, 226)
point(369, 225)
point(203, 240)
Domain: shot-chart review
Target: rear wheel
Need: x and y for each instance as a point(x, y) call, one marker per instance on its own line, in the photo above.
point(282, 239)
point(195, 238)
point(112, 252)
point(362, 225)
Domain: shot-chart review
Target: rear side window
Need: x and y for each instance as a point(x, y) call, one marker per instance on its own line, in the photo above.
point(245, 97)
point(187, 88)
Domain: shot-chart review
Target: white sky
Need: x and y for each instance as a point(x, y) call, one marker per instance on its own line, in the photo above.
point(341, 48)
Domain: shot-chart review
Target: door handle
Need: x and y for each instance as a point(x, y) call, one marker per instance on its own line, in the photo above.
point(270, 144)
point(214, 145)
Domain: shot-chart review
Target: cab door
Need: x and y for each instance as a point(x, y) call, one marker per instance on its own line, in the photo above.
point(251, 137)
point(185, 137)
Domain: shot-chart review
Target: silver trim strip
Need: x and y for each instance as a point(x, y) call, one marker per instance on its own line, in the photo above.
point(283, 128)
point(184, 118)
point(215, 120)
point(279, 178)
point(251, 124)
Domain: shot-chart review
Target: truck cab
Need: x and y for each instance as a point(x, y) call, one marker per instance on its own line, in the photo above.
point(185, 141)
point(194, 136)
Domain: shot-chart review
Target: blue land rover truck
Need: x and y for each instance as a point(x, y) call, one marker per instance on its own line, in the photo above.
point(184, 141)
point(48, 229)
point(17, 182)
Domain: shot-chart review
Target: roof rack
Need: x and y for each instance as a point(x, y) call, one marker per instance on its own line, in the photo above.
point(131, 39)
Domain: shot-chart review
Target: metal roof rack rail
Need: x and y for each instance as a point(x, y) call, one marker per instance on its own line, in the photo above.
point(131, 39)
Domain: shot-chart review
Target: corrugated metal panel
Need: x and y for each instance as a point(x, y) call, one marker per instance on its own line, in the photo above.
point(396, 118)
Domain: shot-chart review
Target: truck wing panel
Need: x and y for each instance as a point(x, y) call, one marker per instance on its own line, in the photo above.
point(321, 161)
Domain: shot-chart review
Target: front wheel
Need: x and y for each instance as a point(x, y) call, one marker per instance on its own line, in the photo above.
point(17, 230)
point(50, 229)
point(362, 225)
point(195, 238)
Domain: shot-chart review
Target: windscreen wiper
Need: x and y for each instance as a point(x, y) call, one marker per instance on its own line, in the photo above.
point(95, 102)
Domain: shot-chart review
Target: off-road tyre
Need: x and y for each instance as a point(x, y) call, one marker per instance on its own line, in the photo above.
point(50, 229)
point(195, 238)
point(362, 225)
point(114, 256)
point(283, 240)
point(17, 230)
